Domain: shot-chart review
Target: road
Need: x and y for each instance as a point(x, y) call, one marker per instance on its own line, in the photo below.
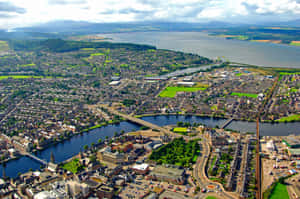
point(200, 174)
point(10, 112)
point(139, 121)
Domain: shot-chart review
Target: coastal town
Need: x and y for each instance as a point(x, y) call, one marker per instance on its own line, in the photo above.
point(49, 97)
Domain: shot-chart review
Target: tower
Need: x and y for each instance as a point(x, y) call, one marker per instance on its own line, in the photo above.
point(52, 159)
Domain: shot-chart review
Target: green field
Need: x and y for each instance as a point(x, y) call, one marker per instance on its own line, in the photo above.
point(290, 118)
point(26, 65)
point(171, 91)
point(295, 43)
point(210, 197)
point(244, 94)
point(87, 49)
point(294, 90)
point(20, 76)
point(96, 54)
point(238, 74)
point(74, 166)
point(279, 192)
point(287, 73)
point(3, 46)
point(180, 130)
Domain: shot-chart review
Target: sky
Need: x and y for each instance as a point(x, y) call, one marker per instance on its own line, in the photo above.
point(22, 13)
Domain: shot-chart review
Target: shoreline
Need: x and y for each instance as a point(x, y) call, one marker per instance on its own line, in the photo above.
point(87, 130)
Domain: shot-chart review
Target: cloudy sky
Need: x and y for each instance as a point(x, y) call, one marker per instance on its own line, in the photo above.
point(20, 13)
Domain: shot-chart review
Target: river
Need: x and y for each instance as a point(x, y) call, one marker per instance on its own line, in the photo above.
point(255, 53)
point(69, 148)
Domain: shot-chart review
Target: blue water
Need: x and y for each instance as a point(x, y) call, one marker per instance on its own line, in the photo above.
point(69, 148)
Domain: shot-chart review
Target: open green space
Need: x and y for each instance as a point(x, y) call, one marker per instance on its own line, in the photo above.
point(290, 118)
point(73, 166)
point(210, 197)
point(238, 74)
point(180, 130)
point(96, 54)
point(244, 94)
point(171, 91)
point(20, 76)
point(293, 90)
point(293, 43)
point(291, 73)
point(26, 65)
point(3, 46)
point(178, 152)
point(279, 192)
point(87, 49)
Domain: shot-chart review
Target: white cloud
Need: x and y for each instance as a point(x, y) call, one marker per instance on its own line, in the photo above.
point(24, 13)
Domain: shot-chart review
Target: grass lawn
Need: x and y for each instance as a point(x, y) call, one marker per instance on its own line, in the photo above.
point(295, 43)
point(74, 166)
point(210, 197)
point(26, 65)
point(294, 90)
point(238, 74)
point(86, 49)
point(171, 91)
point(96, 54)
point(195, 158)
point(245, 94)
point(20, 76)
point(180, 130)
point(287, 73)
point(3, 46)
point(290, 118)
point(214, 108)
point(280, 192)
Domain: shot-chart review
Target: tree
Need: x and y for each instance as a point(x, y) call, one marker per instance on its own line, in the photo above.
point(179, 124)
point(93, 158)
point(85, 147)
point(99, 140)
point(115, 134)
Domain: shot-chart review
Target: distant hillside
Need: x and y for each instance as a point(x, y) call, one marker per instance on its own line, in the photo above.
point(59, 45)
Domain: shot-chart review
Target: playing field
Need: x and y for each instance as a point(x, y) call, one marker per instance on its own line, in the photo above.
point(245, 94)
point(20, 76)
point(180, 130)
point(280, 192)
point(171, 91)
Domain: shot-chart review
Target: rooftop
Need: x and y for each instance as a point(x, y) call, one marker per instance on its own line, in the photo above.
point(168, 171)
point(140, 166)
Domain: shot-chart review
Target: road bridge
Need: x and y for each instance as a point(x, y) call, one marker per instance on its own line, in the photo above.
point(36, 158)
point(227, 123)
point(139, 121)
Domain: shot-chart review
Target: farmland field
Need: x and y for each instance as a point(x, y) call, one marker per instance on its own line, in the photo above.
point(171, 91)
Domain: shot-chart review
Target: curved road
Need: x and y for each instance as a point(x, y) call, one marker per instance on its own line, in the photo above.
point(200, 175)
